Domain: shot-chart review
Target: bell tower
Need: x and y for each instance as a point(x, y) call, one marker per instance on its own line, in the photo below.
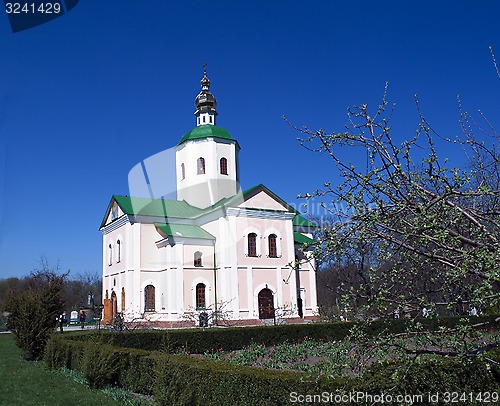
point(207, 156)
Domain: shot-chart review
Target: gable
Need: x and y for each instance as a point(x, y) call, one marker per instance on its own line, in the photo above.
point(263, 200)
point(113, 212)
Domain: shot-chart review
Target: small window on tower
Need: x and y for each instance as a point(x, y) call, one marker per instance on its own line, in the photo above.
point(210, 119)
point(204, 118)
point(223, 166)
point(183, 172)
point(201, 166)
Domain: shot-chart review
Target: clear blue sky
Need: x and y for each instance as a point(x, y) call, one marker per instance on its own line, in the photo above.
point(87, 96)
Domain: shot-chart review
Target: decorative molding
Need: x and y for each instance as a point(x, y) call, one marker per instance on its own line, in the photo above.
point(261, 214)
point(115, 225)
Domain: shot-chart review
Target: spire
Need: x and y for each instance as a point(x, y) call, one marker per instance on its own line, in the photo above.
point(205, 102)
point(205, 82)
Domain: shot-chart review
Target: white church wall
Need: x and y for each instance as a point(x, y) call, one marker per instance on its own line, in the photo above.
point(152, 258)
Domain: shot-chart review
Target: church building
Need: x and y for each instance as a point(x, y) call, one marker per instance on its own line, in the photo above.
point(215, 254)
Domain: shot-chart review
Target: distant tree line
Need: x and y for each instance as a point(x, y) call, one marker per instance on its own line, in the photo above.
point(74, 292)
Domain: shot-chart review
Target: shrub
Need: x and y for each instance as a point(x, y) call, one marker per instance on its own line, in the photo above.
point(102, 364)
point(228, 339)
point(185, 380)
point(431, 376)
point(32, 311)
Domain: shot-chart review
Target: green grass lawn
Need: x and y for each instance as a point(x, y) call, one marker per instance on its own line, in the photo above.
point(30, 383)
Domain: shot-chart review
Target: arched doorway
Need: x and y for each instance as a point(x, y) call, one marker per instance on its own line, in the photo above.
point(114, 307)
point(266, 304)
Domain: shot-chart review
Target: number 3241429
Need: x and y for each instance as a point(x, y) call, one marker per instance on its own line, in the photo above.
point(32, 8)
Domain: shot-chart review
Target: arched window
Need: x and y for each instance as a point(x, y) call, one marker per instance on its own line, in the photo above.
point(273, 250)
point(110, 254)
point(201, 166)
point(149, 298)
point(252, 245)
point(210, 118)
point(119, 251)
point(197, 258)
point(123, 299)
point(183, 172)
point(223, 166)
point(200, 296)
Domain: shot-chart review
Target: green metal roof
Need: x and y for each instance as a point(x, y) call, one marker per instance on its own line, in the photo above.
point(182, 210)
point(184, 230)
point(154, 208)
point(157, 207)
point(300, 221)
point(207, 131)
point(302, 239)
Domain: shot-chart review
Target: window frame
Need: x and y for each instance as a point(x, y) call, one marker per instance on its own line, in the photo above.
point(223, 166)
point(119, 251)
point(149, 298)
point(272, 245)
point(201, 298)
point(110, 254)
point(200, 166)
point(252, 245)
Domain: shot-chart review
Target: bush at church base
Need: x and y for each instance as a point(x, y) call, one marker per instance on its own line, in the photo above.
point(199, 341)
point(188, 380)
point(103, 364)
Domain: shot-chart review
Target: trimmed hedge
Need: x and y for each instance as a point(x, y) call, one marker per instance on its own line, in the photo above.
point(185, 380)
point(198, 341)
point(103, 364)
point(182, 380)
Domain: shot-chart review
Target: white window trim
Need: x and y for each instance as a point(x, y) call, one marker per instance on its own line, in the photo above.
point(258, 242)
point(279, 242)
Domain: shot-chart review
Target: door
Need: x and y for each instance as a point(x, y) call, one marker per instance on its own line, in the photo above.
point(114, 307)
point(266, 304)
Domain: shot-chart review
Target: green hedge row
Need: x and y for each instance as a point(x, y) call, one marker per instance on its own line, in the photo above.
point(103, 364)
point(184, 380)
point(198, 341)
